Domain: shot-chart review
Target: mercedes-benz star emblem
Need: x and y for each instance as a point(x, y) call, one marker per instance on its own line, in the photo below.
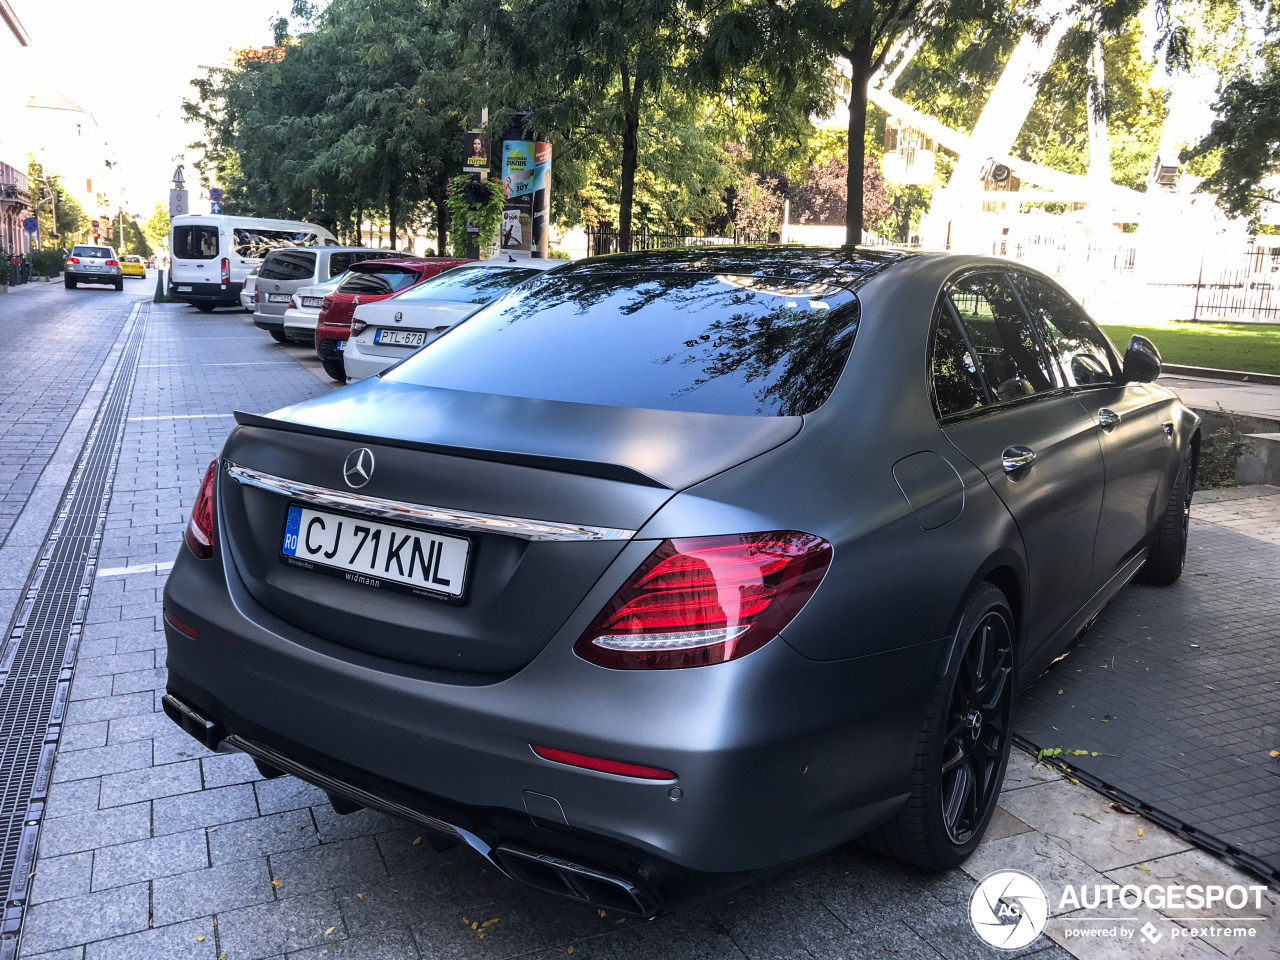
point(399, 316)
point(357, 470)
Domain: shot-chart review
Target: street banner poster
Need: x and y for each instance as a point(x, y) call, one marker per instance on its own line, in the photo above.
point(475, 153)
point(526, 181)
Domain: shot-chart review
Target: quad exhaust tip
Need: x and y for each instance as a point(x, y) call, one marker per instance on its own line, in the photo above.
point(565, 878)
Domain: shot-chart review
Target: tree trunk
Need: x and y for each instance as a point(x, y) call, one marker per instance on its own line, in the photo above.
point(359, 225)
point(442, 221)
point(393, 197)
point(630, 156)
point(860, 67)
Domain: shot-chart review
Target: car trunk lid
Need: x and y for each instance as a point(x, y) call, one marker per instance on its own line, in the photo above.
point(545, 494)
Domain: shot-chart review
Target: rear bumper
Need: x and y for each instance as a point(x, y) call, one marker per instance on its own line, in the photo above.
point(92, 277)
point(268, 321)
point(219, 294)
point(328, 348)
point(776, 757)
point(301, 329)
point(359, 364)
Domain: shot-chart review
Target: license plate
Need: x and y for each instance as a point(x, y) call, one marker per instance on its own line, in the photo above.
point(377, 554)
point(401, 338)
point(340, 345)
point(278, 298)
point(184, 289)
point(313, 301)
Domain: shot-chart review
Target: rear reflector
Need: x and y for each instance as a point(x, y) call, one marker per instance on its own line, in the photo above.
point(604, 766)
point(706, 600)
point(199, 535)
point(181, 627)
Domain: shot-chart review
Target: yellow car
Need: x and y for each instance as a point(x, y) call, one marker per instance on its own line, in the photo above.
point(133, 267)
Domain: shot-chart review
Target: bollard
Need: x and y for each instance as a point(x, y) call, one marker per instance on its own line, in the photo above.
point(159, 297)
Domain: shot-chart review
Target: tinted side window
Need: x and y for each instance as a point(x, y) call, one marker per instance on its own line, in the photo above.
point(195, 243)
point(1082, 347)
point(954, 373)
point(1008, 352)
point(288, 265)
point(253, 243)
point(340, 263)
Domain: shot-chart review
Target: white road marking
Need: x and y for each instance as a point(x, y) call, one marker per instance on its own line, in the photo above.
point(141, 568)
point(183, 416)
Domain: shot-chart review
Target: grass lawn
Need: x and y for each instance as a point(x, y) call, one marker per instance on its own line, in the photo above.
point(1226, 346)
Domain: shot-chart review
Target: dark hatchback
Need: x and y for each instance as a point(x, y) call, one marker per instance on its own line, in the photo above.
point(667, 570)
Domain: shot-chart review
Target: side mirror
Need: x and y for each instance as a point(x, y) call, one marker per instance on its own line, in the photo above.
point(1141, 361)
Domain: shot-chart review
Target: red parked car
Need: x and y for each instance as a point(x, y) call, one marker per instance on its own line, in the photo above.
point(367, 282)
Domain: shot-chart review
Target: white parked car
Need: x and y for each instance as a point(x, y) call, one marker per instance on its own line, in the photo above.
point(304, 309)
point(385, 332)
point(247, 291)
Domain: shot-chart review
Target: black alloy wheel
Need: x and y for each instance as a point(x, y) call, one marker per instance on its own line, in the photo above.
point(977, 736)
point(335, 369)
point(964, 749)
point(1167, 552)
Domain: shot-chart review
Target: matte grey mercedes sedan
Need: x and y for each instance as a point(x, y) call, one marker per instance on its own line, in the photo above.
point(664, 571)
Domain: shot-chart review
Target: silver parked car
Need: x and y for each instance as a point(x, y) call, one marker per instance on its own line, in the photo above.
point(304, 310)
point(92, 264)
point(285, 271)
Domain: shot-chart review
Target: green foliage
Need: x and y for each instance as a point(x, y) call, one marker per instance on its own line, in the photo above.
point(72, 224)
point(1220, 452)
point(47, 262)
point(156, 229)
point(487, 216)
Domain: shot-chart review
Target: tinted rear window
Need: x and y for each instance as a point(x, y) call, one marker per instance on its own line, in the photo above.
point(380, 280)
point(688, 342)
point(470, 284)
point(195, 243)
point(288, 265)
point(102, 253)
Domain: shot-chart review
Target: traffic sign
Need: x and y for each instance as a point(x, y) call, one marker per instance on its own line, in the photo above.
point(215, 194)
point(178, 178)
point(94, 224)
point(215, 208)
point(30, 225)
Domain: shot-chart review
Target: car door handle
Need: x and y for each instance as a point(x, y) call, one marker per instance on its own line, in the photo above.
point(1018, 458)
point(1107, 418)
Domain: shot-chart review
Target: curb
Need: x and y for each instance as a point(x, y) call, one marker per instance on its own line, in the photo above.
point(1211, 373)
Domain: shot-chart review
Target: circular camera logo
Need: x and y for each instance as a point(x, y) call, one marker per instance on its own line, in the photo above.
point(1008, 909)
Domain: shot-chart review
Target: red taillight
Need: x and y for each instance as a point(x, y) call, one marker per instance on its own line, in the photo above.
point(358, 327)
point(113, 263)
point(226, 270)
point(706, 600)
point(199, 534)
point(599, 763)
point(257, 295)
point(181, 627)
point(73, 259)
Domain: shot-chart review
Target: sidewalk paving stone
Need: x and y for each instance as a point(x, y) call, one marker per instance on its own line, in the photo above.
point(211, 890)
point(253, 933)
point(98, 761)
point(148, 859)
point(205, 808)
point(166, 781)
point(194, 940)
point(76, 920)
point(261, 836)
point(398, 946)
point(97, 828)
point(61, 877)
point(327, 866)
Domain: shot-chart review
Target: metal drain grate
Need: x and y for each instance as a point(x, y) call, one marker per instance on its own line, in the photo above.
point(40, 651)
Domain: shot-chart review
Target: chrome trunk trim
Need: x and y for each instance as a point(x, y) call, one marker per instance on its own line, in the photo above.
point(421, 513)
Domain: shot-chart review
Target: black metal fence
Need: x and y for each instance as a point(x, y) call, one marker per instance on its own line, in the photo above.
point(605, 239)
point(1248, 292)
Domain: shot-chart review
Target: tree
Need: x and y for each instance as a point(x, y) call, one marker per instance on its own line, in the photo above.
point(156, 229)
point(72, 222)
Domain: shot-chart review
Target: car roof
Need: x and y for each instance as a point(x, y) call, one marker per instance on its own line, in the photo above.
point(413, 263)
point(839, 266)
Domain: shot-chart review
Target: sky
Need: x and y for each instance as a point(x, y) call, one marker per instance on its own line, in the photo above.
point(130, 65)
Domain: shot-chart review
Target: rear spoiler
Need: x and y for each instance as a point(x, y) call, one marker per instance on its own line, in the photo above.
point(585, 468)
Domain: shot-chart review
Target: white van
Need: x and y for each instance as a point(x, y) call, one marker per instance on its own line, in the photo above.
point(211, 256)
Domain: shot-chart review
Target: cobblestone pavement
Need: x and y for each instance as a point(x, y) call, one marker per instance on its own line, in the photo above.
point(153, 847)
point(1178, 688)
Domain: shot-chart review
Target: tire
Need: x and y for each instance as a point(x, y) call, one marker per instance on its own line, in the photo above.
point(119, 283)
point(960, 762)
point(335, 369)
point(279, 337)
point(68, 283)
point(1168, 550)
point(204, 307)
